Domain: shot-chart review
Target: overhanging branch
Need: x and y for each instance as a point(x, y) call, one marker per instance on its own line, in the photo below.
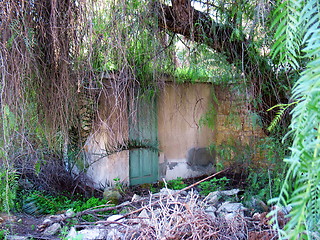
point(182, 18)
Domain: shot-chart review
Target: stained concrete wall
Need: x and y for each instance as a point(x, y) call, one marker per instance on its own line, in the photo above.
point(109, 134)
point(103, 168)
point(183, 139)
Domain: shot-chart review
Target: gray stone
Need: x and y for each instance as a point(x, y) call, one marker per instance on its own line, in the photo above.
point(286, 209)
point(52, 230)
point(114, 218)
point(228, 207)
point(257, 204)
point(69, 213)
point(144, 216)
point(111, 195)
point(231, 192)
point(212, 198)
point(135, 198)
point(14, 237)
point(72, 234)
point(230, 210)
point(92, 234)
point(47, 221)
point(114, 234)
point(166, 191)
point(211, 211)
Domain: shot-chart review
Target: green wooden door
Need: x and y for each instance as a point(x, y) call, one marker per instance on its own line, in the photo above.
point(143, 156)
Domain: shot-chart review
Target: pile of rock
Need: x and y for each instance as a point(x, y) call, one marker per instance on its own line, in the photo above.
point(172, 214)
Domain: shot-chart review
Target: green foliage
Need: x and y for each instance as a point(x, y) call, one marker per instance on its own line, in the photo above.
point(120, 186)
point(8, 175)
point(92, 202)
point(233, 153)
point(8, 188)
point(39, 203)
point(176, 184)
point(295, 23)
point(200, 64)
point(215, 184)
point(209, 118)
point(3, 234)
point(301, 187)
point(126, 39)
point(281, 111)
point(191, 74)
point(263, 183)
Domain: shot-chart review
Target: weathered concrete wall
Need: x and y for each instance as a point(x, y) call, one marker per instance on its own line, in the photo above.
point(103, 168)
point(110, 133)
point(183, 140)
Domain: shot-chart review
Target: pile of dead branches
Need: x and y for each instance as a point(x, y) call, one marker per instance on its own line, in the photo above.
point(169, 215)
point(178, 218)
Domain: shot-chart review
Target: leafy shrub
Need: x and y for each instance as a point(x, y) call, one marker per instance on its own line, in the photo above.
point(212, 185)
point(37, 203)
point(3, 234)
point(263, 183)
point(8, 187)
point(176, 184)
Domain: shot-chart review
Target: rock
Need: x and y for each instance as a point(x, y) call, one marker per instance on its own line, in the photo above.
point(57, 218)
point(135, 198)
point(14, 237)
point(92, 234)
point(257, 205)
point(212, 198)
point(230, 210)
point(286, 209)
point(112, 195)
point(69, 213)
point(229, 207)
point(72, 233)
point(114, 218)
point(166, 191)
point(52, 230)
point(231, 192)
point(47, 222)
point(144, 216)
point(114, 234)
point(211, 211)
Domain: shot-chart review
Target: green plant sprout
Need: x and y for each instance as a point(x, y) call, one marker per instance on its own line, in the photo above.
point(212, 185)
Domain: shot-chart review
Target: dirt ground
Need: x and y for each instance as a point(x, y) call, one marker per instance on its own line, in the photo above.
point(21, 224)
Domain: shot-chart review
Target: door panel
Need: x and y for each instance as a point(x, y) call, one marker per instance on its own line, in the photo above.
point(143, 156)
